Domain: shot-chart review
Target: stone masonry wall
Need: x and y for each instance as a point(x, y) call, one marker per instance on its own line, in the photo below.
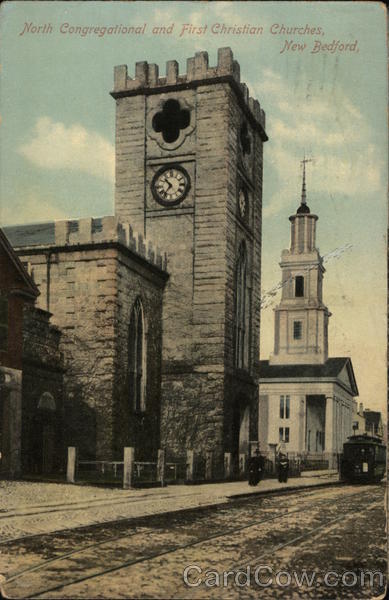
point(43, 372)
point(86, 283)
point(131, 428)
point(200, 236)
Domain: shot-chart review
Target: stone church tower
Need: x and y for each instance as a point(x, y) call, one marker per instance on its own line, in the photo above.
point(189, 176)
point(301, 318)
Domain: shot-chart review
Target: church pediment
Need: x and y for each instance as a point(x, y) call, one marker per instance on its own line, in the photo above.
point(337, 369)
point(347, 377)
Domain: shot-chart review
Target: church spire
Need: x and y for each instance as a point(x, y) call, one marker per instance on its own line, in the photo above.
point(304, 208)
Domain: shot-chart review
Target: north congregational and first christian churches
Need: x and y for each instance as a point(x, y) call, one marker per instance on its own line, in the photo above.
point(145, 332)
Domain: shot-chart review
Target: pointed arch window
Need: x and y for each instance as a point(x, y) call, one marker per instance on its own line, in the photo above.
point(137, 358)
point(242, 310)
point(3, 323)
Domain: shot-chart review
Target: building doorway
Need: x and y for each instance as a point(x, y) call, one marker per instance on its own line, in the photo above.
point(240, 430)
point(45, 422)
point(315, 424)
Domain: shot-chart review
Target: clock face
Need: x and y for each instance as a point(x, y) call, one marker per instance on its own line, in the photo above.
point(242, 201)
point(170, 185)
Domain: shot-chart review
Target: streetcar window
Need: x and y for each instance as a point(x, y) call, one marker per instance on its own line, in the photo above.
point(359, 452)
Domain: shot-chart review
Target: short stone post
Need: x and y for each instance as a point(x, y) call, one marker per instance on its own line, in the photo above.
point(189, 465)
point(161, 466)
point(71, 465)
point(128, 467)
point(208, 465)
point(242, 464)
point(227, 465)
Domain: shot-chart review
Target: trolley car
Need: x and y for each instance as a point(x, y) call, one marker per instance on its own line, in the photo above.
point(363, 459)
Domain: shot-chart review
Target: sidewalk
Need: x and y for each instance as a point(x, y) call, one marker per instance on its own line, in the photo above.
point(28, 508)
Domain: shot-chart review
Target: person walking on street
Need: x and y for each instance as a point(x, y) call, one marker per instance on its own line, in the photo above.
point(283, 467)
point(255, 468)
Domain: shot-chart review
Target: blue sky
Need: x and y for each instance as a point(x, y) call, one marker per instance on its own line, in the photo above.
point(57, 132)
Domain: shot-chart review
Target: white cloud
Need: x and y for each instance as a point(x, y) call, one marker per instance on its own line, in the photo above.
point(52, 145)
point(328, 127)
point(33, 209)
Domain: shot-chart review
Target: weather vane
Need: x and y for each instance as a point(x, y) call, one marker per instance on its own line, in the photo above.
point(304, 190)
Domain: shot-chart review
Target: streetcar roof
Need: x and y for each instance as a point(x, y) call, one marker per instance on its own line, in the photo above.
point(364, 439)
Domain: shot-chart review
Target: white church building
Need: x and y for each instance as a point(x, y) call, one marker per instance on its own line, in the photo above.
point(305, 398)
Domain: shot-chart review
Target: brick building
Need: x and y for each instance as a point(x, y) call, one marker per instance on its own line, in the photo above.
point(30, 374)
point(163, 351)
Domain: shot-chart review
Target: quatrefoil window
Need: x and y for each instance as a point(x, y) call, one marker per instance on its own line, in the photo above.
point(170, 120)
point(245, 139)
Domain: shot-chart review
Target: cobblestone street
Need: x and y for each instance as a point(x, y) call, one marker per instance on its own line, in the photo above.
point(331, 528)
point(31, 508)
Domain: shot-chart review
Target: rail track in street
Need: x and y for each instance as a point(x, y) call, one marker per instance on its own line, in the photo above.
point(126, 499)
point(165, 540)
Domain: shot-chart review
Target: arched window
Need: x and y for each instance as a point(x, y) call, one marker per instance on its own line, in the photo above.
point(242, 312)
point(137, 358)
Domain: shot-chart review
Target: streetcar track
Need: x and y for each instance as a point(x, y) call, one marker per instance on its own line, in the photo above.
point(220, 501)
point(130, 498)
point(302, 536)
point(165, 552)
point(214, 536)
point(71, 505)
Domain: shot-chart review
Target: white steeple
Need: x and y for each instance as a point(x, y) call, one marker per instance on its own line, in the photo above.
point(301, 318)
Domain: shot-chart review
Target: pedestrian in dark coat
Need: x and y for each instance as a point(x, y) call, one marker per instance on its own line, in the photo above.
point(255, 468)
point(283, 468)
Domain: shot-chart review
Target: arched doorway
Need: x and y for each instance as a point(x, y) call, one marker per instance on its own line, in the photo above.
point(45, 434)
point(240, 430)
point(244, 430)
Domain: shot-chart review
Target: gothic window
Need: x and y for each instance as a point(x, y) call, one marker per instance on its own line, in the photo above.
point(242, 311)
point(299, 286)
point(137, 358)
point(170, 120)
point(3, 323)
point(245, 141)
point(297, 330)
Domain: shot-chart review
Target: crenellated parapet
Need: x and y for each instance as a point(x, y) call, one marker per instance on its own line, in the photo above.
point(198, 72)
point(107, 229)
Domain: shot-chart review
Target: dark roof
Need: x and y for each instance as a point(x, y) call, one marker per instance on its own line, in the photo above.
point(372, 417)
point(38, 234)
point(329, 369)
point(31, 288)
point(303, 209)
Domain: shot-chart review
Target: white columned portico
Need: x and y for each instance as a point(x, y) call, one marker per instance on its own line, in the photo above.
point(338, 422)
point(320, 389)
point(329, 424)
point(302, 423)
